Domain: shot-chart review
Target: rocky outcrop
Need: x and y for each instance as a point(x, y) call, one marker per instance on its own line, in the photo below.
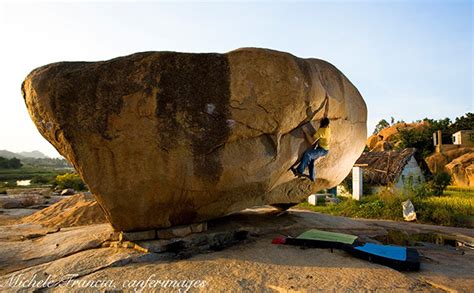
point(462, 170)
point(78, 210)
point(387, 138)
point(165, 138)
point(437, 161)
point(382, 146)
point(458, 162)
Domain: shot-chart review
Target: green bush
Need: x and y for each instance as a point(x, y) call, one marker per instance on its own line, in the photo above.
point(422, 190)
point(411, 190)
point(371, 209)
point(39, 179)
point(440, 181)
point(70, 180)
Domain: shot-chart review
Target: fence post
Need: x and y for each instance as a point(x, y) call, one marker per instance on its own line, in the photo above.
point(357, 182)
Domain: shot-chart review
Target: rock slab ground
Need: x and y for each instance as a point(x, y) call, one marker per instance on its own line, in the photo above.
point(254, 265)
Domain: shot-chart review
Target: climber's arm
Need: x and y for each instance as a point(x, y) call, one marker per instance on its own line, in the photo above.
point(310, 138)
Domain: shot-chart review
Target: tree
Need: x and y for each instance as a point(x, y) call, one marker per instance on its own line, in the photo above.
point(440, 181)
point(422, 138)
point(381, 125)
point(3, 162)
point(416, 138)
point(441, 124)
point(463, 123)
point(15, 163)
point(12, 163)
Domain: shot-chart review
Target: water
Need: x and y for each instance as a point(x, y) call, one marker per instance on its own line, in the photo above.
point(23, 182)
point(397, 237)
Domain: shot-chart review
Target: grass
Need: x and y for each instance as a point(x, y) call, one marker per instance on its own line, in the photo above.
point(28, 172)
point(457, 188)
point(8, 177)
point(454, 208)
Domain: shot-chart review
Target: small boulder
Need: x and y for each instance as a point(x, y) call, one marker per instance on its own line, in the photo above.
point(68, 191)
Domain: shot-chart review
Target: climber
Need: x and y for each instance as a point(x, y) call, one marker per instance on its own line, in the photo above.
point(320, 148)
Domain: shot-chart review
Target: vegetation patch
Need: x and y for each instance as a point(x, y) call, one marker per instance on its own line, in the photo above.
point(70, 180)
point(452, 208)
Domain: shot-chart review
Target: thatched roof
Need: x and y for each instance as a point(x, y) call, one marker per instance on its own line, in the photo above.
point(384, 167)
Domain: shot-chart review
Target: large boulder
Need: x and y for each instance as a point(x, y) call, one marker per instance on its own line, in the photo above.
point(462, 170)
point(458, 162)
point(166, 138)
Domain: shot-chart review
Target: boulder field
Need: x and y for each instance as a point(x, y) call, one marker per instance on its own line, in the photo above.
point(167, 138)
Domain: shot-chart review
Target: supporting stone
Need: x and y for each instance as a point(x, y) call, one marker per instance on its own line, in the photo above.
point(181, 231)
point(175, 232)
point(199, 227)
point(136, 236)
point(357, 183)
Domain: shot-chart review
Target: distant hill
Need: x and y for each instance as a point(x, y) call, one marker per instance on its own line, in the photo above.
point(37, 159)
point(9, 155)
point(23, 155)
point(34, 154)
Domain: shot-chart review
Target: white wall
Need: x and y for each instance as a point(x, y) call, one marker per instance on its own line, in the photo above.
point(411, 169)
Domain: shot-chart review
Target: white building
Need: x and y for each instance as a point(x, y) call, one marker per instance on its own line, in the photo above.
point(391, 168)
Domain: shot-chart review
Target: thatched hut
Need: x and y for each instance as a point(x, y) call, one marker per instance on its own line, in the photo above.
point(391, 168)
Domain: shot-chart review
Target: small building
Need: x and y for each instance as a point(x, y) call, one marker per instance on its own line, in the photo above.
point(446, 142)
point(391, 168)
point(464, 138)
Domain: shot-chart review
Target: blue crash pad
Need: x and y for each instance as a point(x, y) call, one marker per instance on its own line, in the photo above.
point(386, 251)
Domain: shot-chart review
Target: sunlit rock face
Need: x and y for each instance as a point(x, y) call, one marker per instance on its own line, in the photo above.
point(166, 138)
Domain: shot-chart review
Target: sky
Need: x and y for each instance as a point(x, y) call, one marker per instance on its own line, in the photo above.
point(409, 59)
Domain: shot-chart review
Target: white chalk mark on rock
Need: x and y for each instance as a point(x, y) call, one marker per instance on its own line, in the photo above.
point(210, 108)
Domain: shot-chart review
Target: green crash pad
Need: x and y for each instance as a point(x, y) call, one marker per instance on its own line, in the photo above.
point(320, 235)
